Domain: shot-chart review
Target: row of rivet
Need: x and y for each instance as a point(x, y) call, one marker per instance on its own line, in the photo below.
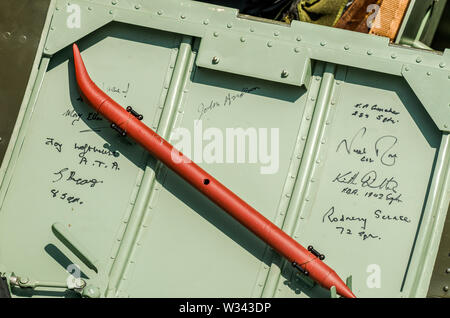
point(276, 33)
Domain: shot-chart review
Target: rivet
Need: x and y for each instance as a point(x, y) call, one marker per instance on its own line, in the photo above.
point(369, 52)
point(323, 43)
point(327, 123)
point(269, 44)
point(313, 180)
point(303, 138)
point(393, 56)
point(407, 68)
point(215, 60)
point(284, 73)
point(317, 161)
point(445, 288)
point(429, 73)
point(183, 16)
point(288, 195)
point(307, 199)
point(137, 7)
point(322, 142)
point(276, 33)
point(252, 30)
point(447, 270)
point(419, 59)
point(52, 27)
point(205, 22)
point(216, 34)
point(333, 102)
point(298, 157)
point(442, 65)
point(445, 126)
point(297, 49)
point(299, 38)
point(90, 8)
point(338, 83)
point(242, 39)
point(57, 8)
point(160, 12)
point(313, 99)
point(308, 118)
point(229, 25)
point(111, 12)
point(346, 47)
point(113, 2)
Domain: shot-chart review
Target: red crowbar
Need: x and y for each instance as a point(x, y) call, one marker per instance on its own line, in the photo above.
point(305, 261)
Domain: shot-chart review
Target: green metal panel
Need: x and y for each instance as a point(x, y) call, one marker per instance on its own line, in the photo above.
point(362, 133)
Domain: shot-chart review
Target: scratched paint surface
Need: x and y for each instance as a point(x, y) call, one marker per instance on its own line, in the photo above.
point(73, 168)
point(203, 241)
point(361, 207)
point(366, 202)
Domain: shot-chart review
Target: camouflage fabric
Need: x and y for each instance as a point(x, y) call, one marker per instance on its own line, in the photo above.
point(324, 12)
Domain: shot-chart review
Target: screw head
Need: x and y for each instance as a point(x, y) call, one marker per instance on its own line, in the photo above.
point(215, 60)
point(284, 73)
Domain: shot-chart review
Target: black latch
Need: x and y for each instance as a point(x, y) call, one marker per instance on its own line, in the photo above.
point(302, 270)
point(118, 129)
point(316, 253)
point(134, 113)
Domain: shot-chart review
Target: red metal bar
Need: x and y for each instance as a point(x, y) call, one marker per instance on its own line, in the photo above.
point(205, 183)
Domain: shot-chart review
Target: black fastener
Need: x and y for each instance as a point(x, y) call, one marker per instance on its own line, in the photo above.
point(303, 271)
point(316, 253)
point(118, 129)
point(134, 113)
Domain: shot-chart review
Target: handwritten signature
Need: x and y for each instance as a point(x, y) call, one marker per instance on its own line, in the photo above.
point(229, 99)
point(382, 148)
